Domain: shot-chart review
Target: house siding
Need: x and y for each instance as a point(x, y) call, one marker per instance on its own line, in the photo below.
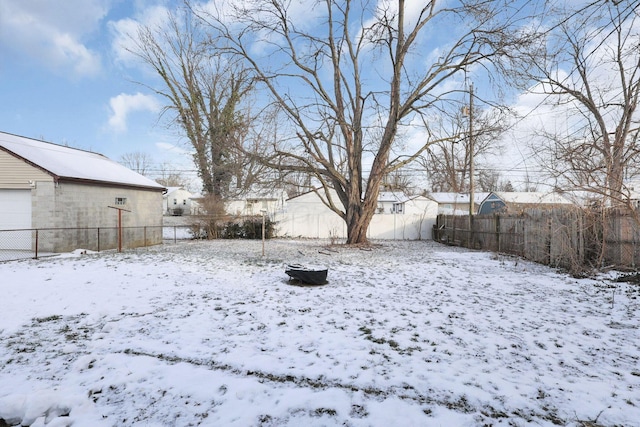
point(16, 174)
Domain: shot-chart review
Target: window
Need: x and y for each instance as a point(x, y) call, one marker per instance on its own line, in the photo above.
point(121, 201)
point(398, 208)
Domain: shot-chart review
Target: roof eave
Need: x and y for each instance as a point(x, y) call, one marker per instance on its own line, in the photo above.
point(108, 183)
point(30, 163)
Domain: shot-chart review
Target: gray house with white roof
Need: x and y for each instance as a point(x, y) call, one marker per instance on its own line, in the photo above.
point(71, 194)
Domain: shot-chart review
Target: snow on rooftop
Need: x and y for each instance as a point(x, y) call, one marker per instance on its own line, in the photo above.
point(449, 197)
point(67, 162)
point(532, 198)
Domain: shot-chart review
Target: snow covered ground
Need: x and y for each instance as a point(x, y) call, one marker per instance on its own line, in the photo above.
point(405, 334)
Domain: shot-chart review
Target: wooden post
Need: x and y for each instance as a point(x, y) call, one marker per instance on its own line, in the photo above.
point(119, 225)
point(119, 230)
point(497, 217)
point(263, 232)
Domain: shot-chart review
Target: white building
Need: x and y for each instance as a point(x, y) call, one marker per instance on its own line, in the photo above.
point(398, 217)
point(178, 201)
point(456, 203)
point(48, 186)
point(256, 202)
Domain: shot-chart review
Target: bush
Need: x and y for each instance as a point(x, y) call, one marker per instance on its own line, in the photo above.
point(249, 228)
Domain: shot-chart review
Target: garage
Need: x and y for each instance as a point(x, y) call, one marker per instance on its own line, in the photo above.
point(15, 215)
point(61, 199)
point(16, 209)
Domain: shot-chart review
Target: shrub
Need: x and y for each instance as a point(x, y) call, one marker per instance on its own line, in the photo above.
point(238, 228)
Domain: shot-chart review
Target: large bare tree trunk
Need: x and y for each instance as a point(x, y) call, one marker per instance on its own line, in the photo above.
point(351, 76)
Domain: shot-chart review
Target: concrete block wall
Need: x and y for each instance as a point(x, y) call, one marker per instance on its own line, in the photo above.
point(76, 206)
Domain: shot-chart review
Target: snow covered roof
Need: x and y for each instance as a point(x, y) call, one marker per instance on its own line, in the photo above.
point(172, 189)
point(533, 198)
point(66, 163)
point(383, 196)
point(392, 196)
point(453, 198)
point(256, 193)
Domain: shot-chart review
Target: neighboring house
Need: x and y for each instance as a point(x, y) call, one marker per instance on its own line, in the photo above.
point(256, 201)
point(632, 191)
point(48, 186)
point(178, 201)
point(391, 202)
point(456, 203)
point(519, 201)
point(398, 217)
point(402, 217)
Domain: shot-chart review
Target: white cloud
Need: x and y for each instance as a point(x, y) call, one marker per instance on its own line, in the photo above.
point(125, 104)
point(52, 33)
point(123, 30)
point(174, 149)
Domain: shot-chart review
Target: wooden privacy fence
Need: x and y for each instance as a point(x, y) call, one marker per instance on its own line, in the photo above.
point(570, 238)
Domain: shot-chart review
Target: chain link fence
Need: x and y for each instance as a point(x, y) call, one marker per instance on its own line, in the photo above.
point(35, 243)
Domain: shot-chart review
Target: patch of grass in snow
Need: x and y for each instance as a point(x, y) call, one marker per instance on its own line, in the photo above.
point(358, 411)
point(46, 335)
point(319, 412)
point(51, 318)
point(368, 335)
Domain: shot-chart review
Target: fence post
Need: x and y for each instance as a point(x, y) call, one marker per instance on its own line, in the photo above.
point(497, 216)
point(550, 235)
point(36, 257)
point(98, 239)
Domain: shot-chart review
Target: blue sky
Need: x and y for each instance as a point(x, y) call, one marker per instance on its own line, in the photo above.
point(64, 79)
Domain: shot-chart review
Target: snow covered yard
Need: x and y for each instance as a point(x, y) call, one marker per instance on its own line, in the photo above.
point(406, 334)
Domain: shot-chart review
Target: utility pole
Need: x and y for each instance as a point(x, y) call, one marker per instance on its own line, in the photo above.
point(471, 149)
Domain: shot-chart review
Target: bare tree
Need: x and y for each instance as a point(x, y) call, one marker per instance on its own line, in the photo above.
point(207, 96)
point(353, 78)
point(137, 161)
point(587, 64)
point(448, 161)
point(169, 177)
point(400, 181)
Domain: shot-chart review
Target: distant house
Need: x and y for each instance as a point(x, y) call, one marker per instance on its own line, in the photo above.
point(48, 186)
point(254, 202)
point(391, 202)
point(397, 217)
point(178, 201)
point(456, 203)
point(519, 201)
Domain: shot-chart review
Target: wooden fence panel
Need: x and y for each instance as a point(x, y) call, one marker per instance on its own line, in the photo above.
point(547, 236)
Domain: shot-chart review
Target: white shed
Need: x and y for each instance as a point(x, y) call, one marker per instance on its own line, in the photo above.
point(398, 217)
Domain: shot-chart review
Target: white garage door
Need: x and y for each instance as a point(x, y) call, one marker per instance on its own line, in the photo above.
point(15, 214)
